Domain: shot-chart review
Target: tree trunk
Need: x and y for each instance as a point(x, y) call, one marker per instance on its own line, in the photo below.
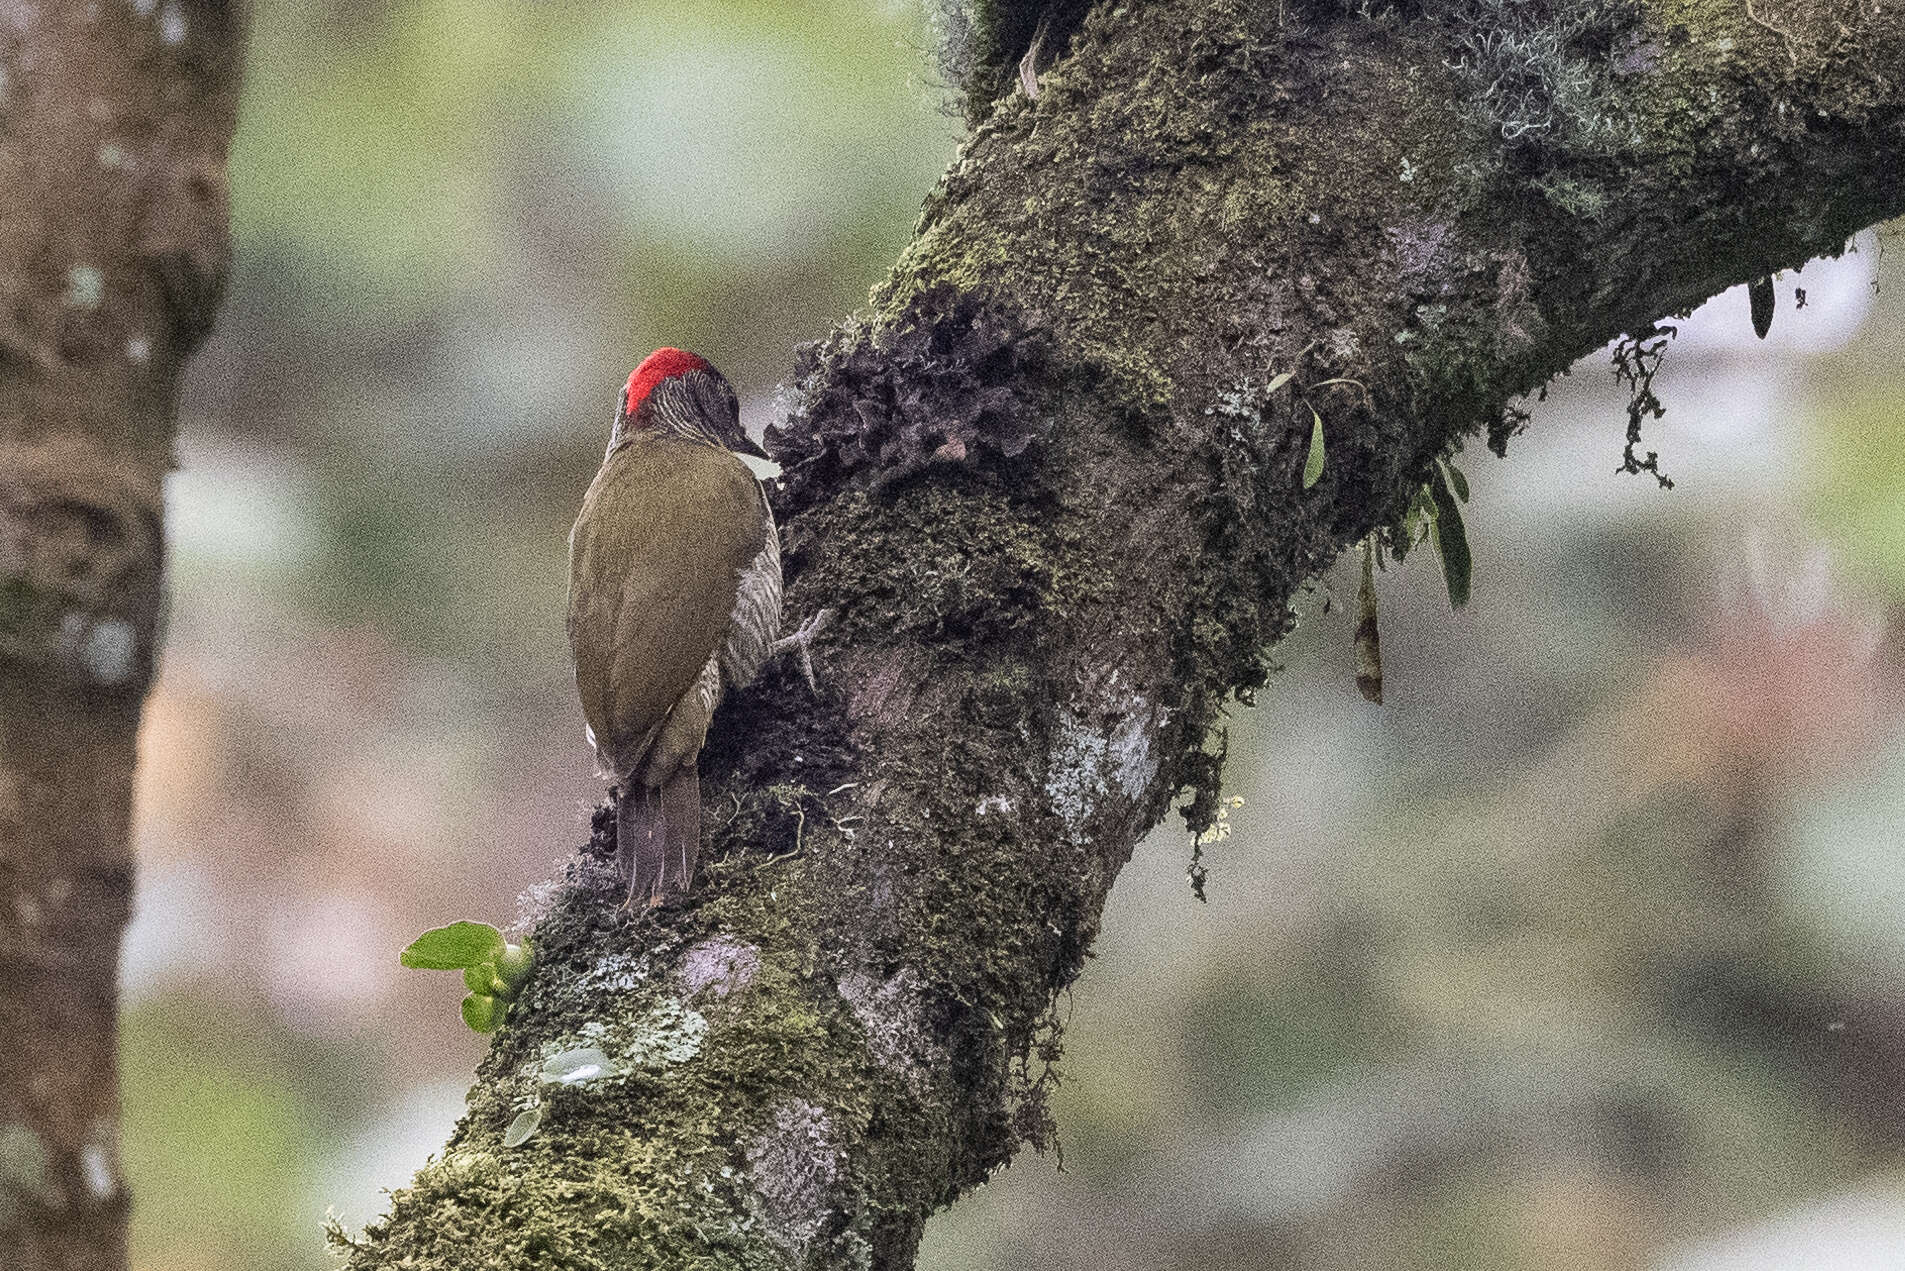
point(114, 123)
point(1053, 486)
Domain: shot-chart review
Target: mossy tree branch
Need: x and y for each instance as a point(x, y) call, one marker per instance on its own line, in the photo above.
point(1057, 502)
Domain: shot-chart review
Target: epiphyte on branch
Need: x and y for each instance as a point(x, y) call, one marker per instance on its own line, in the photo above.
point(493, 969)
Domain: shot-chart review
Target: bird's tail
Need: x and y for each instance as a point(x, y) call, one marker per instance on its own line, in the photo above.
point(658, 836)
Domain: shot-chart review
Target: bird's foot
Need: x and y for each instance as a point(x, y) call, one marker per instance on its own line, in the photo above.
point(801, 645)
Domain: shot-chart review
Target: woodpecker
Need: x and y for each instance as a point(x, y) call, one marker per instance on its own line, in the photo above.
point(674, 600)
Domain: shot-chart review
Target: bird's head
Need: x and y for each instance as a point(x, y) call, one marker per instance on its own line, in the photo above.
point(680, 392)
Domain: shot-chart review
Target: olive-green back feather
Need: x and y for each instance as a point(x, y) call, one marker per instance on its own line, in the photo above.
point(654, 563)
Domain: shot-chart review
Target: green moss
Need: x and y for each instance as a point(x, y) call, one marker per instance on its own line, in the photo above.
point(1573, 196)
point(941, 563)
point(657, 1156)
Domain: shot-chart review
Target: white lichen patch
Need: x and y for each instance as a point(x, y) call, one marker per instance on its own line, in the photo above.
point(145, 8)
point(115, 158)
point(1134, 766)
point(1418, 243)
point(619, 972)
point(139, 350)
point(892, 1015)
point(85, 287)
point(109, 651)
point(994, 805)
point(99, 1162)
point(794, 1165)
point(172, 24)
point(669, 1033)
point(1088, 763)
point(573, 1067)
point(1075, 783)
point(106, 650)
point(720, 966)
point(96, 1168)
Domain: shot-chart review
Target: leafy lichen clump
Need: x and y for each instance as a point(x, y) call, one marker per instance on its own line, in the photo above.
point(1540, 69)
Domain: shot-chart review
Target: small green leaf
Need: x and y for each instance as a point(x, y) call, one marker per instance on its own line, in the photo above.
point(1457, 481)
point(585, 1063)
point(514, 964)
point(451, 948)
point(1451, 540)
point(523, 1128)
point(1313, 466)
point(477, 978)
point(484, 1014)
point(1277, 381)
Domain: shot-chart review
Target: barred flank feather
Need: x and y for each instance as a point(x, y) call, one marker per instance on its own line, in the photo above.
point(756, 620)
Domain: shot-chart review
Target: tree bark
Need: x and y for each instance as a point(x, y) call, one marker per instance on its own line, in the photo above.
point(1052, 484)
point(114, 125)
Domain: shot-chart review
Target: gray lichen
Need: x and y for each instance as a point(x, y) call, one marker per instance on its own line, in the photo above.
point(794, 1166)
point(1090, 761)
point(85, 287)
point(721, 966)
point(893, 1014)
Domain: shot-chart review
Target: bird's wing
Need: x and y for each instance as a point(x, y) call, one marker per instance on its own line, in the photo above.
point(655, 561)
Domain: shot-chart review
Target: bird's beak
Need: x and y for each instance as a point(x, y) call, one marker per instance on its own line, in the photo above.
point(748, 446)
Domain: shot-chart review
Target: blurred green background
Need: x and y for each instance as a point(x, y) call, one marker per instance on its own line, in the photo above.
point(1587, 950)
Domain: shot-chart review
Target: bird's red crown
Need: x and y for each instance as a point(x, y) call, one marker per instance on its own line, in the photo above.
point(662, 364)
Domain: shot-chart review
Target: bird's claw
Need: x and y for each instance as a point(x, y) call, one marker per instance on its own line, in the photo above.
point(801, 645)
